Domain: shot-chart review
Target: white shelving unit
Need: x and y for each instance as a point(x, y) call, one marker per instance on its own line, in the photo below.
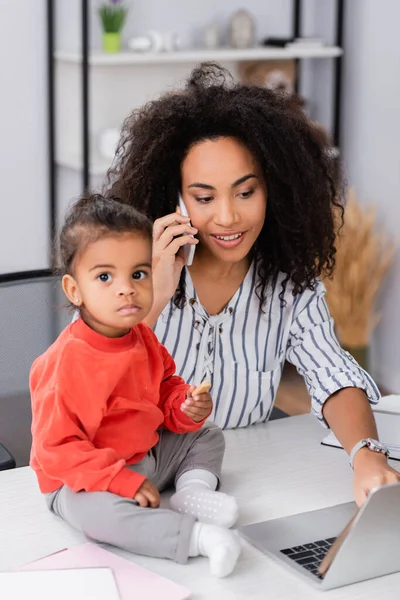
point(124, 81)
point(196, 56)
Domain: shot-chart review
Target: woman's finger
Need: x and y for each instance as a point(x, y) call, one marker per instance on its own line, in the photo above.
point(177, 243)
point(161, 224)
point(172, 232)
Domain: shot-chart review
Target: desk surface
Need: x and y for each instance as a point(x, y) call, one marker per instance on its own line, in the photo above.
point(273, 470)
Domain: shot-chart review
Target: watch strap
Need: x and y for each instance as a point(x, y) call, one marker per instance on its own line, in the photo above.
point(361, 444)
point(365, 442)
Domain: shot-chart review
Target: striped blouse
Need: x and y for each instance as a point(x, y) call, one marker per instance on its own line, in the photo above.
point(242, 350)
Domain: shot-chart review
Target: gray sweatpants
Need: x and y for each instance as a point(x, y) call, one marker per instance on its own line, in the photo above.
point(108, 518)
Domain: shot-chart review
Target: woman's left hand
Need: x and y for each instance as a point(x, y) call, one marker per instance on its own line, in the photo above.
point(197, 407)
point(371, 470)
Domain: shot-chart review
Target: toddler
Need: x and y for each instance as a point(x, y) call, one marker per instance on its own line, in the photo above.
point(112, 424)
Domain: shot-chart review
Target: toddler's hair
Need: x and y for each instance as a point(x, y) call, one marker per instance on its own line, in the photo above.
point(93, 217)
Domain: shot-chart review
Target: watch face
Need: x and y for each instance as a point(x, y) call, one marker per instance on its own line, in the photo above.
point(376, 446)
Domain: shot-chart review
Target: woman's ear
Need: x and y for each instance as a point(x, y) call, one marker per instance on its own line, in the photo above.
point(71, 290)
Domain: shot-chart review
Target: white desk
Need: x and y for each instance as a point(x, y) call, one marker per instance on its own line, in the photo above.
point(273, 470)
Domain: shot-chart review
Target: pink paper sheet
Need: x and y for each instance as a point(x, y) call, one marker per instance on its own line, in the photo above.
point(133, 581)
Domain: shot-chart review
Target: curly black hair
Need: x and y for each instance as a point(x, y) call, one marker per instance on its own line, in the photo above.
point(89, 219)
point(303, 179)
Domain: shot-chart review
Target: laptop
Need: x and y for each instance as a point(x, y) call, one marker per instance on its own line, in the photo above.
point(339, 545)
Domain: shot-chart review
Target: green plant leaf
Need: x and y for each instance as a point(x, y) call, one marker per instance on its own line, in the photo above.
point(112, 17)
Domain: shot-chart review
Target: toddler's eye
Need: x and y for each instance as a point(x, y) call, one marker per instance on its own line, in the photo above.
point(139, 275)
point(104, 277)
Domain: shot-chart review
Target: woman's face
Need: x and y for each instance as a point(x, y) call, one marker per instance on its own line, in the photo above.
point(225, 196)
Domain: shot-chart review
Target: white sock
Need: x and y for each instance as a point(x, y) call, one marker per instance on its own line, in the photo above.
point(195, 495)
point(220, 545)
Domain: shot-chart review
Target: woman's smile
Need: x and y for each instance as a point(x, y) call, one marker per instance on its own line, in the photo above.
point(228, 240)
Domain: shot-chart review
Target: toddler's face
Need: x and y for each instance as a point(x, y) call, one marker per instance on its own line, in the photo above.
point(113, 283)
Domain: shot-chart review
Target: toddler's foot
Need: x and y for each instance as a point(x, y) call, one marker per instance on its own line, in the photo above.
point(220, 545)
point(206, 505)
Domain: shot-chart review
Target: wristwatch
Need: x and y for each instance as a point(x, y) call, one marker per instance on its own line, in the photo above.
point(371, 444)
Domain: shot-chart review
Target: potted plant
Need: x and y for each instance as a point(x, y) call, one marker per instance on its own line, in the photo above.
point(364, 255)
point(112, 15)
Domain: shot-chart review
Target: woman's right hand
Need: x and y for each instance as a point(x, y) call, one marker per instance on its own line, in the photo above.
point(168, 258)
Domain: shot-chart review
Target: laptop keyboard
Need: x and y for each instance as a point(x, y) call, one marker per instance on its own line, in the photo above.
point(310, 555)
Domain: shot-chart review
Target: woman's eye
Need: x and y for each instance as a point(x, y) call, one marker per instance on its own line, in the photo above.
point(247, 194)
point(139, 275)
point(104, 277)
point(204, 199)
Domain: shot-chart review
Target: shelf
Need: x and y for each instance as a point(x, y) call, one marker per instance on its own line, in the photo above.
point(196, 56)
point(100, 166)
point(97, 166)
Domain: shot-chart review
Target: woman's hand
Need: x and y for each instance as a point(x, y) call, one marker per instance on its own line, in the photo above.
point(371, 470)
point(198, 407)
point(168, 259)
point(147, 495)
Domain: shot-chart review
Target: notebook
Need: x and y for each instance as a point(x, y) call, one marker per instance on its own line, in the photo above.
point(79, 584)
point(132, 581)
point(388, 424)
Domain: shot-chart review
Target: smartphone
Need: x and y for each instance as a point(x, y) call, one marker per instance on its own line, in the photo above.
point(188, 249)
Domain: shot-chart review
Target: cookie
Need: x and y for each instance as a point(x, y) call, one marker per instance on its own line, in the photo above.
point(203, 387)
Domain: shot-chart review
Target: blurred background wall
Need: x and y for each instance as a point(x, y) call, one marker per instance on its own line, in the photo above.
point(370, 116)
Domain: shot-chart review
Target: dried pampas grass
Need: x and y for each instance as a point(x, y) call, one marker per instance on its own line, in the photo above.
point(362, 261)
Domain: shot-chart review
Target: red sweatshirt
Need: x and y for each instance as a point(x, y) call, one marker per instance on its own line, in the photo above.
point(97, 403)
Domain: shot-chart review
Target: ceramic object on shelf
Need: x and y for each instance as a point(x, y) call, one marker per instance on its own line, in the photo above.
point(140, 43)
point(151, 41)
point(170, 41)
point(211, 36)
point(154, 41)
point(242, 30)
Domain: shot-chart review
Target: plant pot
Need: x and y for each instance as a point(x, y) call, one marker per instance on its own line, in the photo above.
point(360, 354)
point(111, 42)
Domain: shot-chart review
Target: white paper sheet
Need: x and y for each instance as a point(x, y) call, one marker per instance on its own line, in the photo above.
point(67, 584)
point(132, 581)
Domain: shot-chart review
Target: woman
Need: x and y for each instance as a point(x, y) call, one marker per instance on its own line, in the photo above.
point(259, 182)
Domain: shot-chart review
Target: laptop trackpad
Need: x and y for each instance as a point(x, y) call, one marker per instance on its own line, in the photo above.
point(300, 529)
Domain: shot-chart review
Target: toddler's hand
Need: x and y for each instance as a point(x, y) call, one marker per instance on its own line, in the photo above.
point(147, 495)
point(197, 407)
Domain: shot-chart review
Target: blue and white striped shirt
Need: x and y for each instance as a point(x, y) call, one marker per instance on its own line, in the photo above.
point(242, 350)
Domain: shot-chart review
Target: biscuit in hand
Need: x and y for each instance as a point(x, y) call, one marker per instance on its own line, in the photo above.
point(202, 388)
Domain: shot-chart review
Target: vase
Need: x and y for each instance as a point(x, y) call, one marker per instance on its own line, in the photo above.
point(360, 354)
point(111, 42)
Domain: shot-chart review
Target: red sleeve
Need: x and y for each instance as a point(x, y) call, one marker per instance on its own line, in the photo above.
point(172, 393)
point(62, 427)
